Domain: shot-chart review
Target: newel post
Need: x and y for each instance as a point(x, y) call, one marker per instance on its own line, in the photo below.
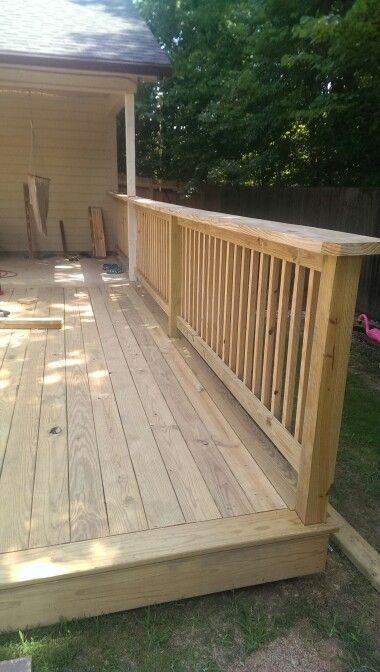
point(175, 274)
point(130, 158)
point(327, 380)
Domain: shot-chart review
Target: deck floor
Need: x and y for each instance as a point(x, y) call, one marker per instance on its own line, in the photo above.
point(105, 430)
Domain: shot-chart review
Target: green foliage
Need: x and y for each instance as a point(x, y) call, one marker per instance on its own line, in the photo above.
point(264, 92)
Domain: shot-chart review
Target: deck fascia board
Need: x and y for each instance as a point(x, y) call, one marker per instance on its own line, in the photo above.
point(47, 564)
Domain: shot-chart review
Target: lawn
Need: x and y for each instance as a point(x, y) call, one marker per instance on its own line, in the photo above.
point(356, 491)
point(323, 623)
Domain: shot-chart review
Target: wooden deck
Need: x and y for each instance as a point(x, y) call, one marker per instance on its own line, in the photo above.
point(122, 481)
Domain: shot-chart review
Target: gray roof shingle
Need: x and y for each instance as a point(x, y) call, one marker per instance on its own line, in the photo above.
point(96, 34)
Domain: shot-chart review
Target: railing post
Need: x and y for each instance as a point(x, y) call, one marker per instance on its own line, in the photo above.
point(175, 275)
point(131, 181)
point(326, 386)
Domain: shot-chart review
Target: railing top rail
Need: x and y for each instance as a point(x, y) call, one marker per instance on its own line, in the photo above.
point(322, 241)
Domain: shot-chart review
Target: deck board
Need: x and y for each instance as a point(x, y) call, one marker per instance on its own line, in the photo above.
point(88, 515)
point(124, 506)
point(260, 493)
point(50, 521)
point(226, 491)
point(17, 476)
point(193, 495)
point(143, 445)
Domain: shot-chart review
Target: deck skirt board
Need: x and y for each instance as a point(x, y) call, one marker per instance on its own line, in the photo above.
point(21, 568)
point(127, 571)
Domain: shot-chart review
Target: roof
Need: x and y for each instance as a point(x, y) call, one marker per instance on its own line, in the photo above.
point(89, 34)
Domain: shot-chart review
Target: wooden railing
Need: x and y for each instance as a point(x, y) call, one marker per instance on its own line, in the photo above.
point(270, 307)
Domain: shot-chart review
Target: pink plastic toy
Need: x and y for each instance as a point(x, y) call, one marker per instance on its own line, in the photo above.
point(372, 334)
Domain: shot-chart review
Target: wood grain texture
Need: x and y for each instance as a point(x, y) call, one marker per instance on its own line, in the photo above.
point(259, 491)
point(277, 469)
point(157, 493)
point(193, 496)
point(50, 519)
point(320, 241)
point(30, 323)
point(327, 379)
point(171, 579)
point(221, 482)
point(159, 545)
point(17, 476)
point(97, 232)
point(88, 515)
point(125, 510)
point(283, 440)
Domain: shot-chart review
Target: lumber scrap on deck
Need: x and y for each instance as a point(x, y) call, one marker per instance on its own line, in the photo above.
point(31, 323)
point(97, 232)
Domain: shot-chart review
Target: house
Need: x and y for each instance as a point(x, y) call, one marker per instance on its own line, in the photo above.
point(169, 437)
point(66, 68)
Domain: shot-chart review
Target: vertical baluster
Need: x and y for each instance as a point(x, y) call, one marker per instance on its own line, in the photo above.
point(193, 277)
point(227, 301)
point(270, 330)
point(188, 274)
point(199, 272)
point(205, 254)
point(251, 317)
point(235, 306)
point(311, 307)
point(215, 293)
point(262, 294)
point(174, 274)
point(222, 274)
point(281, 335)
point(184, 273)
point(293, 347)
point(242, 316)
point(210, 275)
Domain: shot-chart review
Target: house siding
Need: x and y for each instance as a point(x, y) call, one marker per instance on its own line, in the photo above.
point(75, 146)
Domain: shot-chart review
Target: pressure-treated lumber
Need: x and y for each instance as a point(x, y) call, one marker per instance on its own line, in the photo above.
point(306, 238)
point(284, 441)
point(97, 232)
point(31, 323)
point(365, 558)
point(128, 571)
point(175, 274)
point(327, 378)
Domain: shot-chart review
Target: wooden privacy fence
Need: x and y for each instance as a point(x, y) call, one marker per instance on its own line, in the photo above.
point(270, 308)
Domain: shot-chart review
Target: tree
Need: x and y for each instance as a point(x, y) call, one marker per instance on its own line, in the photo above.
point(264, 92)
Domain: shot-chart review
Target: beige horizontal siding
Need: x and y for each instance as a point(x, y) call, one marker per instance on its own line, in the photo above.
point(75, 147)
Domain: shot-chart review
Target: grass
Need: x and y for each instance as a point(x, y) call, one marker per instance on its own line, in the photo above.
point(356, 491)
point(217, 632)
point(210, 634)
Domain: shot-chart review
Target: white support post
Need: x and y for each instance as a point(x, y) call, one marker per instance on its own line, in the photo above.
point(130, 156)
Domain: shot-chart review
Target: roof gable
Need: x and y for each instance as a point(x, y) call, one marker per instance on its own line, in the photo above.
point(95, 34)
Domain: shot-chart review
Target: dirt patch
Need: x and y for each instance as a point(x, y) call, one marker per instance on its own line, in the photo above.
point(299, 649)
